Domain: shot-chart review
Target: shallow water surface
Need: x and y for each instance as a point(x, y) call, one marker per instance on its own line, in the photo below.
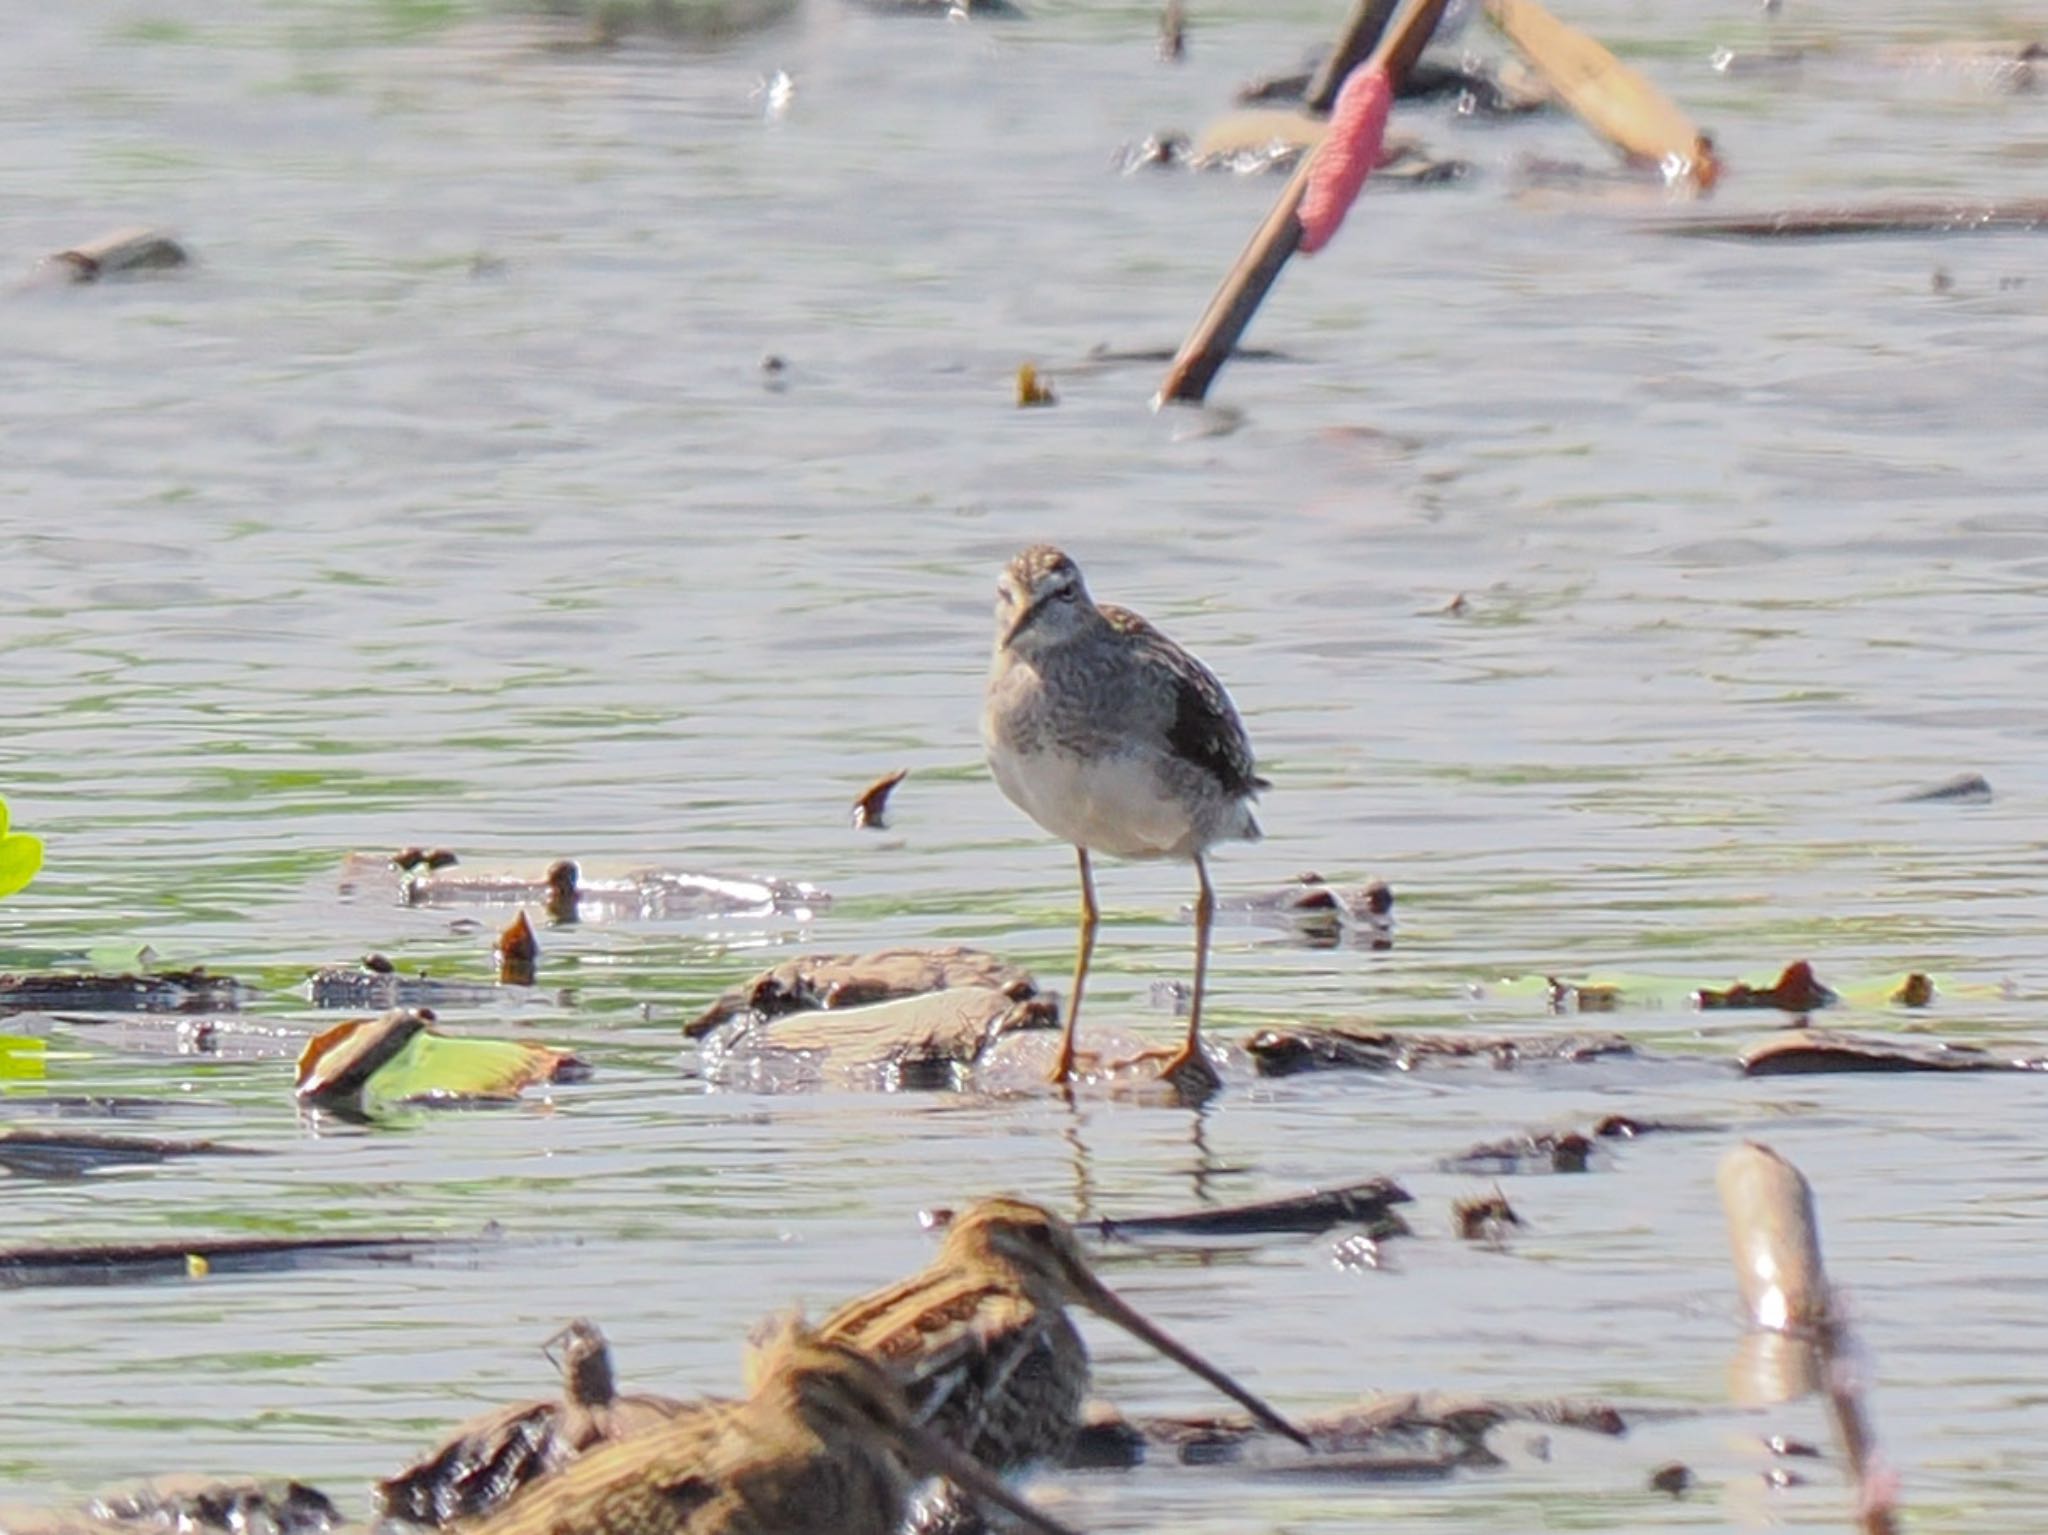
point(446, 501)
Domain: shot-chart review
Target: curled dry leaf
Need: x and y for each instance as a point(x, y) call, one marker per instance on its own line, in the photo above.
point(1796, 990)
point(518, 952)
point(398, 1058)
point(873, 804)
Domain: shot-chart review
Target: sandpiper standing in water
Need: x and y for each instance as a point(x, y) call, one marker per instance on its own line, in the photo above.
point(1108, 734)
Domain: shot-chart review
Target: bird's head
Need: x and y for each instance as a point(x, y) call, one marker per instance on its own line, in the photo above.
point(1045, 1256)
point(1040, 600)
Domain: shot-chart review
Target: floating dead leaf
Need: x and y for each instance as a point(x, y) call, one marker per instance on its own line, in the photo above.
point(518, 952)
point(167, 991)
point(117, 1262)
point(1796, 990)
point(1814, 1052)
point(873, 804)
point(1032, 389)
point(1963, 789)
point(377, 983)
point(1557, 1151)
point(929, 1040)
point(1484, 1217)
point(856, 980)
point(398, 1058)
point(1324, 914)
point(407, 859)
point(1672, 1478)
point(121, 252)
point(1369, 1203)
point(1607, 95)
point(1396, 1436)
point(64, 1154)
point(1284, 1052)
point(1916, 990)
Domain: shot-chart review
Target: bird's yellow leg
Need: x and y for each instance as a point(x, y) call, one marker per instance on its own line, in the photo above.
point(1063, 1063)
point(1188, 1064)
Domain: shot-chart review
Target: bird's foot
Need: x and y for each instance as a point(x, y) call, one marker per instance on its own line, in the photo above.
point(1188, 1070)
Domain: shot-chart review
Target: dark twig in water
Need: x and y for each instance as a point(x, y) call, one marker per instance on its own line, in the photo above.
point(1216, 334)
point(1368, 1203)
point(2018, 215)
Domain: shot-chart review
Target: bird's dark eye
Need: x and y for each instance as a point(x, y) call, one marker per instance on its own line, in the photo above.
point(1065, 594)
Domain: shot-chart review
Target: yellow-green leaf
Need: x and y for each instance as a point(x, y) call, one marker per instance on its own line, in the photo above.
point(399, 1058)
point(21, 1058)
point(20, 856)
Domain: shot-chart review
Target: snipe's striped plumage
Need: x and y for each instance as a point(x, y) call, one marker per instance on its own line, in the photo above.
point(1110, 736)
point(482, 1464)
point(984, 1346)
point(824, 1446)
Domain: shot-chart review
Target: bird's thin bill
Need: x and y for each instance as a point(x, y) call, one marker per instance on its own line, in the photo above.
point(1106, 1303)
point(932, 1456)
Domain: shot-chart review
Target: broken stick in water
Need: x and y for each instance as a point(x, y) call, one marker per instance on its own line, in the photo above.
point(1609, 97)
point(1334, 173)
point(1775, 1239)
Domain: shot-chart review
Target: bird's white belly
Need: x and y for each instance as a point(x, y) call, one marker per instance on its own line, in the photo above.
point(1115, 805)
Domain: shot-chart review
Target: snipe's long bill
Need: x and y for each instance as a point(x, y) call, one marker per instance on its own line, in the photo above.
point(983, 1342)
point(1115, 739)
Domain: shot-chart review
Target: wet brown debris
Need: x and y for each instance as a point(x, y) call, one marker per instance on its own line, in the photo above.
point(408, 860)
point(856, 980)
point(1672, 1477)
point(120, 253)
point(518, 953)
point(1796, 990)
point(1475, 88)
point(488, 1459)
point(1815, 1052)
point(377, 983)
point(1325, 914)
point(1916, 990)
point(1963, 789)
point(1284, 1052)
point(1033, 388)
point(566, 894)
point(873, 803)
point(63, 1154)
point(1556, 1151)
point(1484, 1218)
point(194, 1505)
point(1400, 1435)
point(1369, 1203)
point(2016, 215)
point(929, 1041)
point(1173, 32)
point(165, 991)
point(1580, 996)
point(173, 1258)
point(1564, 1151)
